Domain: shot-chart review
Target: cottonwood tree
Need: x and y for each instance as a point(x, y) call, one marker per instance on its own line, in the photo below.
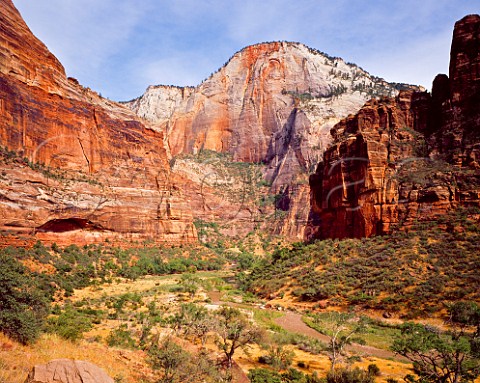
point(194, 320)
point(342, 331)
point(444, 356)
point(234, 331)
point(175, 365)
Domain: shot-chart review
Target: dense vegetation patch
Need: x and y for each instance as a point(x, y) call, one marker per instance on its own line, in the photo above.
point(53, 274)
point(23, 301)
point(411, 272)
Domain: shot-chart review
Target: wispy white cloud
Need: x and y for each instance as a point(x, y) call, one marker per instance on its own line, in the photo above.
point(84, 34)
point(119, 47)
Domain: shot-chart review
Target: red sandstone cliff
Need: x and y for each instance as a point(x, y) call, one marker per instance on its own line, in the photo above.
point(272, 103)
point(271, 108)
point(268, 99)
point(115, 178)
point(404, 159)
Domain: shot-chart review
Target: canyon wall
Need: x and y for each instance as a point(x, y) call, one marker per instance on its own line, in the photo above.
point(75, 165)
point(271, 104)
point(268, 99)
point(406, 159)
point(239, 149)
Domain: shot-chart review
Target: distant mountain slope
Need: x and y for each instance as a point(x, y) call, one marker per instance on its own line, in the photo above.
point(271, 103)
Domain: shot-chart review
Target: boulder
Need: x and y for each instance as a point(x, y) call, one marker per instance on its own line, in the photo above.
point(68, 371)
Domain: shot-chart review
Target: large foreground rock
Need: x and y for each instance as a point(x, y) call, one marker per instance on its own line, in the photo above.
point(68, 371)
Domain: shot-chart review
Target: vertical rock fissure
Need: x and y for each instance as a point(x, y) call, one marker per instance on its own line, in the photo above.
point(85, 155)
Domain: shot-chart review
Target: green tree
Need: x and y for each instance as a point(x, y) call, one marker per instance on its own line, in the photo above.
point(168, 357)
point(444, 357)
point(190, 284)
point(195, 321)
point(23, 305)
point(235, 331)
point(343, 328)
point(176, 365)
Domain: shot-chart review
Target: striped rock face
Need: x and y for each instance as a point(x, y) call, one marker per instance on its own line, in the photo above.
point(271, 104)
point(77, 167)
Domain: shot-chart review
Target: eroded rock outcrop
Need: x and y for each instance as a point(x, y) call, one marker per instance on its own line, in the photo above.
point(272, 103)
point(456, 134)
point(375, 173)
point(404, 159)
point(68, 371)
point(268, 98)
point(114, 174)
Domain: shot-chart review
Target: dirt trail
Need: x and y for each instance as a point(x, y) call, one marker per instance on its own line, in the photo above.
point(293, 322)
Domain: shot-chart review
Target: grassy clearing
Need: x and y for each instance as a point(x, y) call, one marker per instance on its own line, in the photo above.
point(108, 316)
point(123, 306)
point(375, 334)
point(266, 318)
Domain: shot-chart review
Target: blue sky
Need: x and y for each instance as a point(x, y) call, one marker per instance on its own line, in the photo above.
point(119, 47)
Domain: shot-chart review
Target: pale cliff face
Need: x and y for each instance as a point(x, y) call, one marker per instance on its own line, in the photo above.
point(272, 103)
point(160, 102)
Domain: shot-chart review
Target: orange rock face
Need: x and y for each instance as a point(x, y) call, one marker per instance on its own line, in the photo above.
point(271, 104)
point(405, 159)
point(115, 177)
point(23, 64)
point(123, 172)
point(365, 184)
point(268, 99)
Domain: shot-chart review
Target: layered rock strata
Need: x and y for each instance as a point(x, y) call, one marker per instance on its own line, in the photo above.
point(405, 159)
point(271, 104)
point(114, 180)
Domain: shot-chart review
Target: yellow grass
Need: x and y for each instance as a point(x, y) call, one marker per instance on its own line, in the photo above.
point(131, 366)
point(123, 287)
point(321, 364)
point(17, 360)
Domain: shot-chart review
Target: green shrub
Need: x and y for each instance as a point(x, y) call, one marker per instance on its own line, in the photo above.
point(169, 358)
point(121, 337)
point(23, 304)
point(262, 375)
point(70, 324)
point(373, 369)
point(349, 375)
